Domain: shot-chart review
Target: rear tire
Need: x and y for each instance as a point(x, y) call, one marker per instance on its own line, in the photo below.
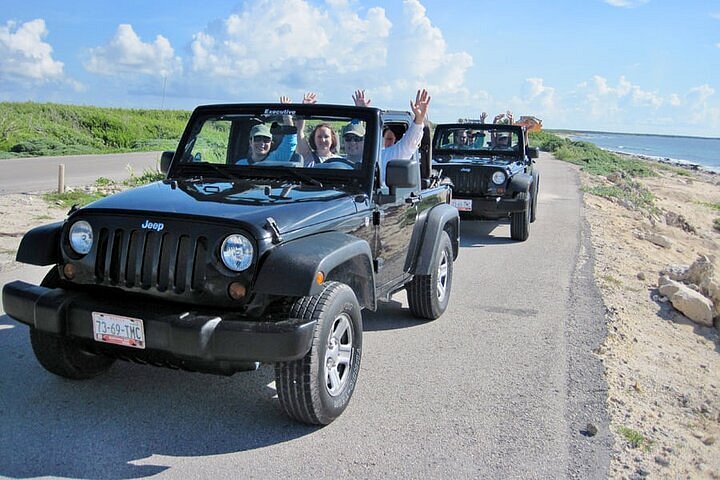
point(520, 222)
point(535, 190)
point(317, 388)
point(428, 295)
point(61, 355)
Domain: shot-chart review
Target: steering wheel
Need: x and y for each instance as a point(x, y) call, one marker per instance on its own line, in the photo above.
point(337, 162)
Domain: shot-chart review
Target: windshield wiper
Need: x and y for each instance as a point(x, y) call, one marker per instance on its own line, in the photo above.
point(301, 176)
point(223, 173)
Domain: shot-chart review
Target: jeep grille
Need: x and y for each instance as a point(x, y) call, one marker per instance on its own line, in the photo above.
point(474, 181)
point(148, 259)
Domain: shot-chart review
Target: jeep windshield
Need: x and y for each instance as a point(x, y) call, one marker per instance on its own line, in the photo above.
point(305, 144)
point(459, 141)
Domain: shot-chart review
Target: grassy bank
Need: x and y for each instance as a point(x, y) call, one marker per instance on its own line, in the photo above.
point(33, 129)
point(622, 171)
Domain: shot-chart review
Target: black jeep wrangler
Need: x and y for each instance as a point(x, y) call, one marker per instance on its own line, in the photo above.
point(491, 167)
point(228, 262)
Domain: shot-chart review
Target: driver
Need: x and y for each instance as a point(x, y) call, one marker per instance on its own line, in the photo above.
point(353, 135)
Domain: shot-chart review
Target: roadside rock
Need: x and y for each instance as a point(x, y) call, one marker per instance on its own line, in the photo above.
point(679, 273)
point(656, 238)
point(703, 274)
point(692, 304)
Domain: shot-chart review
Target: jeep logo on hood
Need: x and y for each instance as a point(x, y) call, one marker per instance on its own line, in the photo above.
point(148, 225)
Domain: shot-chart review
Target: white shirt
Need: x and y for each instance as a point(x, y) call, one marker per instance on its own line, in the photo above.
point(404, 148)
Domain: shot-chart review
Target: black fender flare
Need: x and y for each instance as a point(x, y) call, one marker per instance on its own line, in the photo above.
point(290, 269)
point(441, 218)
point(521, 182)
point(41, 245)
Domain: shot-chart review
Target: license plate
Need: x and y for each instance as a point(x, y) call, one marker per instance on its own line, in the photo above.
point(461, 204)
point(118, 330)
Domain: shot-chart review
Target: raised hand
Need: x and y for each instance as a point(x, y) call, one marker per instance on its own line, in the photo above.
point(483, 116)
point(360, 99)
point(285, 99)
point(498, 117)
point(310, 97)
point(421, 105)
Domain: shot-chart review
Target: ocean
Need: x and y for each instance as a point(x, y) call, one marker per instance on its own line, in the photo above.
point(704, 152)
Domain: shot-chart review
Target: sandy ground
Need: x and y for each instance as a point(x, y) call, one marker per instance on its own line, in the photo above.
point(663, 371)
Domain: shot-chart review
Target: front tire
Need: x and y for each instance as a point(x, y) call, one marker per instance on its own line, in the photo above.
point(520, 222)
point(61, 355)
point(317, 388)
point(428, 295)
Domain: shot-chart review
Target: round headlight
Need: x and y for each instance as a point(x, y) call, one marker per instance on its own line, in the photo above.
point(498, 178)
point(81, 237)
point(236, 252)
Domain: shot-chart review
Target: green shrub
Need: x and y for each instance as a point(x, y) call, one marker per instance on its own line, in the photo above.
point(631, 194)
point(148, 176)
point(592, 159)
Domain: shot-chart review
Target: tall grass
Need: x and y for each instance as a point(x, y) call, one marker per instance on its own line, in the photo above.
point(34, 129)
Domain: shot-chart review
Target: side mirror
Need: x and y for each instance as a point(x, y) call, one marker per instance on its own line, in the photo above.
point(165, 159)
point(533, 152)
point(402, 174)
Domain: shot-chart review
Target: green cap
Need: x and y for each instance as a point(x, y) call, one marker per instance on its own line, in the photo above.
point(261, 130)
point(354, 129)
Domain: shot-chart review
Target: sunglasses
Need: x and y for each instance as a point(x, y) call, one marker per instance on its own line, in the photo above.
point(259, 139)
point(353, 138)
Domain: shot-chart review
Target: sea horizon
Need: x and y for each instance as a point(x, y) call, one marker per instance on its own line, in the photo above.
point(602, 132)
point(701, 152)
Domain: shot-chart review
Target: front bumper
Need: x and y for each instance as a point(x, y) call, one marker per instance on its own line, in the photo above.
point(171, 331)
point(494, 207)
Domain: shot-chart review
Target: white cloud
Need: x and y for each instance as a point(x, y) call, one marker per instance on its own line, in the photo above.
point(291, 39)
point(126, 53)
point(538, 92)
point(626, 3)
point(292, 45)
point(605, 97)
point(25, 56)
point(702, 110)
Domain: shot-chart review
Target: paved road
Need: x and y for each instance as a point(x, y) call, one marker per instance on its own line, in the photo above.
point(499, 387)
point(40, 174)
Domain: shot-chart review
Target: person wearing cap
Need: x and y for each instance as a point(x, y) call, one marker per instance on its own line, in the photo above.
point(260, 145)
point(407, 146)
point(353, 135)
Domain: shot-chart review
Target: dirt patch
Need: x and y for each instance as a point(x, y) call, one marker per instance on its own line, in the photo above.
point(663, 371)
point(19, 213)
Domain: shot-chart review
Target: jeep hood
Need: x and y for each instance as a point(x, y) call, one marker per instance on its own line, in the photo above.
point(298, 208)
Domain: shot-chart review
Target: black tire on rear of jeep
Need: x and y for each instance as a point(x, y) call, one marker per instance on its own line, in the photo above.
point(535, 190)
point(63, 356)
point(520, 221)
point(316, 388)
point(428, 295)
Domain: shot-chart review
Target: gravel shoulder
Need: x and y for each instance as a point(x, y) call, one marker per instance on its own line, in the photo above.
point(662, 370)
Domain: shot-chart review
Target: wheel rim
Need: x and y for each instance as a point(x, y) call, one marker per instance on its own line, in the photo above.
point(442, 276)
point(338, 354)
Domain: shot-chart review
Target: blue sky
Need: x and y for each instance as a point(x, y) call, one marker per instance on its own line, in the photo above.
point(639, 66)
